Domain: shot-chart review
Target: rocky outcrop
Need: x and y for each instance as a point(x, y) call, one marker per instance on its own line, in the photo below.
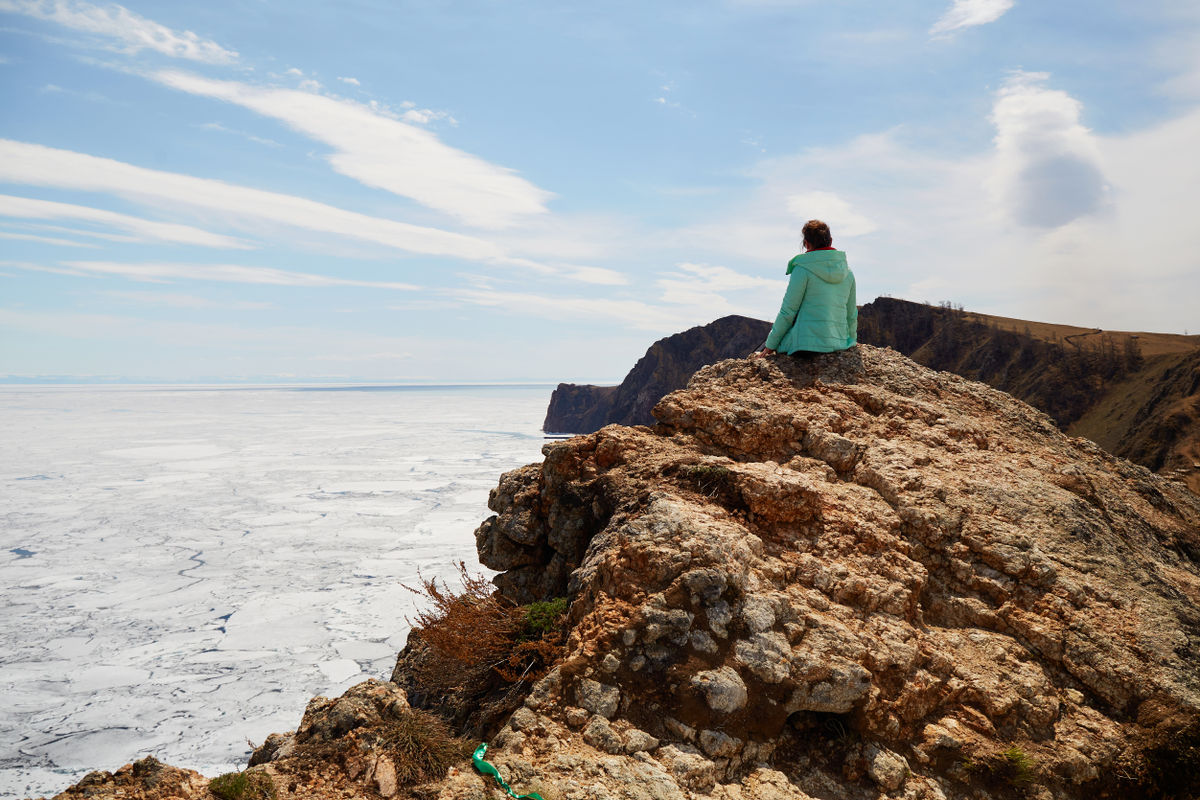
point(146, 779)
point(843, 579)
point(1135, 394)
point(848, 578)
point(578, 408)
point(665, 367)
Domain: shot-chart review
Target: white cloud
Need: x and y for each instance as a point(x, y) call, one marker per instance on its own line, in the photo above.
point(597, 275)
point(236, 205)
point(1024, 228)
point(1048, 169)
point(134, 32)
point(174, 300)
point(351, 81)
point(216, 126)
point(144, 229)
point(30, 237)
point(707, 290)
point(968, 14)
point(634, 313)
point(386, 153)
point(225, 273)
point(424, 116)
point(832, 209)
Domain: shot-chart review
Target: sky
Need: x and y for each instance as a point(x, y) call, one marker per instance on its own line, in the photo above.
point(445, 191)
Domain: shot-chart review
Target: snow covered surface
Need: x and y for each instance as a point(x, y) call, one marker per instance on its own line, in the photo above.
point(182, 568)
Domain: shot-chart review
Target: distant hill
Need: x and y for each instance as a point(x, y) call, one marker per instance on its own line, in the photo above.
point(1136, 394)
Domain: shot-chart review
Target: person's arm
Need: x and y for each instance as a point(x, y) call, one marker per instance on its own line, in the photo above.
point(790, 307)
point(852, 312)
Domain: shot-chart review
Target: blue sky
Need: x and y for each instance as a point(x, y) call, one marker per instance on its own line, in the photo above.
point(486, 191)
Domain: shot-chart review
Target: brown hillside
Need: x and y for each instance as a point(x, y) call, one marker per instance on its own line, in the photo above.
point(1136, 394)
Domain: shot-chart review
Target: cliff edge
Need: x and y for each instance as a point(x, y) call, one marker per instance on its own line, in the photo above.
point(846, 579)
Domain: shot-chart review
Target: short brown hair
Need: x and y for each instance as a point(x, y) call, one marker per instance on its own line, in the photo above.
point(816, 234)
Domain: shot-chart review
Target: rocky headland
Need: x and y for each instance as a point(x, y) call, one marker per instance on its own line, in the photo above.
point(843, 579)
point(666, 366)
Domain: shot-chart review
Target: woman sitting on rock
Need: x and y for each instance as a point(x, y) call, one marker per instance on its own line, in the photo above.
point(818, 314)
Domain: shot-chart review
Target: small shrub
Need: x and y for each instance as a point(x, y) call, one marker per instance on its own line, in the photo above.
point(249, 785)
point(543, 616)
point(469, 633)
point(710, 480)
point(422, 747)
point(477, 633)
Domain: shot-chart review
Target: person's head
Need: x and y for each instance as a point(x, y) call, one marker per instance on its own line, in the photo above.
point(816, 235)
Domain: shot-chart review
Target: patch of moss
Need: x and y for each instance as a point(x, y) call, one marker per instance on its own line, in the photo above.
point(544, 616)
point(248, 785)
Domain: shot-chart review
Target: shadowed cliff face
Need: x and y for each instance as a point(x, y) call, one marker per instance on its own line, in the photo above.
point(665, 367)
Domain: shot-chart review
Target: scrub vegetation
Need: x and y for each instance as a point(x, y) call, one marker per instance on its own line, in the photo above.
point(247, 785)
point(475, 635)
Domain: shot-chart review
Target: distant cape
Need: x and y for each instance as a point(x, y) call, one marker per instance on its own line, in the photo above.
point(666, 366)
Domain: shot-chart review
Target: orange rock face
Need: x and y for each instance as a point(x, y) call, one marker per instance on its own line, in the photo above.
point(917, 567)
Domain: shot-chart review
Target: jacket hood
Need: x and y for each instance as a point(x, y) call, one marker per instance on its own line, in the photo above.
point(828, 265)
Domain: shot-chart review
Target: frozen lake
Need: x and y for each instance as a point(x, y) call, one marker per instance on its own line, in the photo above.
point(181, 568)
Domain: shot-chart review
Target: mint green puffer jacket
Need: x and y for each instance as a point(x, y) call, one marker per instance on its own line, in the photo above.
point(818, 311)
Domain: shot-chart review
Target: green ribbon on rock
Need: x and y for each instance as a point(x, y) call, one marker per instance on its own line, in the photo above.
point(488, 769)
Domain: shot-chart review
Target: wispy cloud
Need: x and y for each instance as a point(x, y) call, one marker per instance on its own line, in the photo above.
point(32, 237)
point(189, 301)
point(598, 275)
point(351, 81)
point(133, 32)
point(709, 291)
point(633, 313)
point(225, 273)
point(37, 165)
point(968, 14)
point(216, 126)
point(29, 208)
point(386, 153)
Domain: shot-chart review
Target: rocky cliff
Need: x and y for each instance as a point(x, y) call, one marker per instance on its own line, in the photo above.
point(665, 367)
point(845, 579)
point(1136, 394)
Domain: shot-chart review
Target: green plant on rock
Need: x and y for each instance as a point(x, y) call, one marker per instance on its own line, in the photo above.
point(1021, 768)
point(248, 785)
point(544, 616)
point(709, 479)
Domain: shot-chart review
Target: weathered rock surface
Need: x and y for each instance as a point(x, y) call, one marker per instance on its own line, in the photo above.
point(844, 579)
point(146, 779)
point(865, 575)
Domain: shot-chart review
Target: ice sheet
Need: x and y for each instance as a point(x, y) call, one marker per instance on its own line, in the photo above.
point(182, 568)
